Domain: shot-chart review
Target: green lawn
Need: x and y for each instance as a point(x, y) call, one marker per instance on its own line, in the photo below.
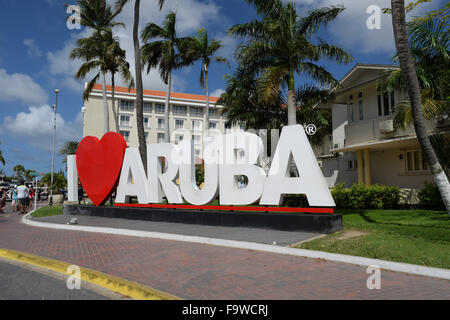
point(48, 211)
point(411, 236)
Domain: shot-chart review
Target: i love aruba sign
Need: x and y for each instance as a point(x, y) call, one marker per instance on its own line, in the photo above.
point(107, 165)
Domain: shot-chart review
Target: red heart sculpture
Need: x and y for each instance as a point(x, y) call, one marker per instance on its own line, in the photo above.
point(99, 164)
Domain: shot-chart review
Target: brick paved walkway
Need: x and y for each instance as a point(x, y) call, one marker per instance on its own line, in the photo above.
point(196, 271)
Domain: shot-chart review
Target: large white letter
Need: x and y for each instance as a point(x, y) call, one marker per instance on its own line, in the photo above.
point(72, 178)
point(294, 145)
point(163, 183)
point(240, 152)
point(133, 182)
point(189, 189)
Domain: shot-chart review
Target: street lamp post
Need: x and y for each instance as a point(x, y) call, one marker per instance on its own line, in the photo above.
point(55, 107)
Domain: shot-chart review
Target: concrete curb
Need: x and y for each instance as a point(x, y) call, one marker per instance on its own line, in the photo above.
point(117, 285)
point(361, 261)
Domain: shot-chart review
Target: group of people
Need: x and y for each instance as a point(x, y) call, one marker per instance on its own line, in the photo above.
point(22, 198)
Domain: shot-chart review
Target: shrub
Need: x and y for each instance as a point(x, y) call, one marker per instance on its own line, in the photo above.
point(297, 201)
point(361, 196)
point(431, 197)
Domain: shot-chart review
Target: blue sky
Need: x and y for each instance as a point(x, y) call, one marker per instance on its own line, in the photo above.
point(35, 44)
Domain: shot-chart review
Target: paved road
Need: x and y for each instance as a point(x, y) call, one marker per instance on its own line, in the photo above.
point(197, 271)
point(18, 283)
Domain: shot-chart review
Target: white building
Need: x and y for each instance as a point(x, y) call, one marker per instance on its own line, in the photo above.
point(187, 116)
point(365, 146)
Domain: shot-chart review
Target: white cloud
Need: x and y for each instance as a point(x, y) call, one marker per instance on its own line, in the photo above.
point(349, 30)
point(35, 127)
point(191, 15)
point(20, 87)
point(33, 49)
point(217, 92)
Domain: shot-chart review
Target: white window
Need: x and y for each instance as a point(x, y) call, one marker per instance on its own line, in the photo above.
point(148, 107)
point(126, 135)
point(160, 108)
point(147, 122)
point(360, 110)
point(213, 125)
point(197, 125)
point(126, 105)
point(161, 137)
point(415, 161)
point(179, 110)
point(197, 139)
point(352, 112)
point(213, 113)
point(386, 103)
point(179, 124)
point(197, 152)
point(125, 121)
point(161, 123)
point(196, 111)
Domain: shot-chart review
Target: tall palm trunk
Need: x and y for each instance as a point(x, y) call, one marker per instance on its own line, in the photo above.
point(113, 99)
point(207, 100)
point(139, 87)
point(292, 110)
point(167, 109)
point(412, 85)
point(105, 105)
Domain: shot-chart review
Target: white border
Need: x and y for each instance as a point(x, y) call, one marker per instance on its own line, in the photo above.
point(360, 261)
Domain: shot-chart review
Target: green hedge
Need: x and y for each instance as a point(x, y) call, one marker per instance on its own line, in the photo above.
point(431, 197)
point(361, 196)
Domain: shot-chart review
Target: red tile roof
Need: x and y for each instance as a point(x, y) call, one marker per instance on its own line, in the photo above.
point(156, 93)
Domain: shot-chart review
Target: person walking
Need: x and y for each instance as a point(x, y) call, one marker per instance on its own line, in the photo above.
point(23, 197)
point(2, 200)
point(31, 198)
point(14, 203)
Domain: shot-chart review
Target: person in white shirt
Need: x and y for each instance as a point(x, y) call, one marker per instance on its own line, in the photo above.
point(22, 197)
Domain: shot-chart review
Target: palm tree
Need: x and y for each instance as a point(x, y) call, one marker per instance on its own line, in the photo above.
point(67, 149)
point(138, 68)
point(102, 52)
point(242, 105)
point(204, 49)
point(167, 54)
point(279, 47)
point(429, 42)
point(99, 16)
point(412, 85)
point(19, 170)
point(29, 174)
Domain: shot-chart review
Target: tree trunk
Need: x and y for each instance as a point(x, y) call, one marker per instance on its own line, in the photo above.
point(207, 101)
point(412, 86)
point(292, 109)
point(113, 99)
point(139, 87)
point(105, 106)
point(167, 110)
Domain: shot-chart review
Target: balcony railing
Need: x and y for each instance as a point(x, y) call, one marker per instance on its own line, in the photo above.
point(360, 132)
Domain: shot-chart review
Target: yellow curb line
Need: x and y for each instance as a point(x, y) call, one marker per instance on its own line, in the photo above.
point(124, 287)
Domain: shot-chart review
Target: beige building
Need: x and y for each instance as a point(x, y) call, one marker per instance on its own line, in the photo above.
point(187, 116)
point(365, 146)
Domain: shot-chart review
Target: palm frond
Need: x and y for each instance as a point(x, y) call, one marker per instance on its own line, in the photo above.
point(317, 18)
